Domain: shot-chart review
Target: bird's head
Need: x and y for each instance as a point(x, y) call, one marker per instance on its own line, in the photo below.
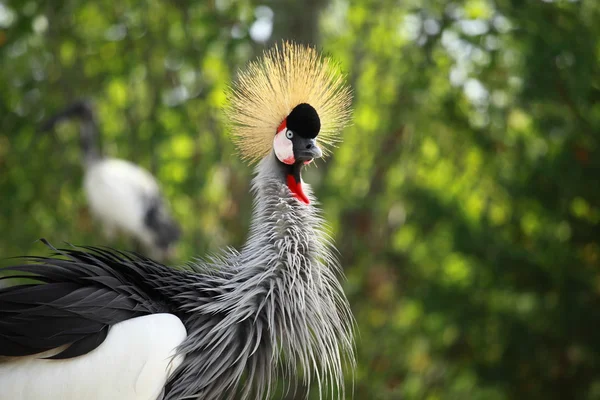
point(295, 145)
point(296, 137)
point(291, 102)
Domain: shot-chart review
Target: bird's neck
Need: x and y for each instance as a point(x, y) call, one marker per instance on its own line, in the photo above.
point(289, 257)
point(279, 294)
point(89, 142)
point(280, 220)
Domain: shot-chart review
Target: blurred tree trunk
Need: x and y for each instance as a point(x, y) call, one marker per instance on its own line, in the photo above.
point(297, 20)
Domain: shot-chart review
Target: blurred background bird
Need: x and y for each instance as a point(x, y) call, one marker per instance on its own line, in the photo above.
point(123, 196)
point(102, 324)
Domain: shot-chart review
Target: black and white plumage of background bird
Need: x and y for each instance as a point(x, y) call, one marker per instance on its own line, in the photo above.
point(121, 195)
point(112, 325)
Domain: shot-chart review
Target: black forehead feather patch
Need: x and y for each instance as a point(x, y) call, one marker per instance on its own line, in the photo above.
point(304, 121)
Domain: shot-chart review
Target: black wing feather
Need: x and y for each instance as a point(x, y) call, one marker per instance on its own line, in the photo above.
point(82, 346)
point(80, 295)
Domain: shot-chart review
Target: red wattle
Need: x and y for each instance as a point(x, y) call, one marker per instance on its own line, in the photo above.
point(296, 189)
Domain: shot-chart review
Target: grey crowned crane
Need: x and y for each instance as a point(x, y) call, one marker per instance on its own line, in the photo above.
point(103, 324)
point(121, 195)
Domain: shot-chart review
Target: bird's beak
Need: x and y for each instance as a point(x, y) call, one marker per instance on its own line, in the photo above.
point(307, 150)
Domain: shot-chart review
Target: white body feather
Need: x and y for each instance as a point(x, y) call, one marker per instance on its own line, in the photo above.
point(133, 363)
point(116, 191)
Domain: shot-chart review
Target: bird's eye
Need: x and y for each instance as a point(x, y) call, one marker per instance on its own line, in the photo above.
point(289, 134)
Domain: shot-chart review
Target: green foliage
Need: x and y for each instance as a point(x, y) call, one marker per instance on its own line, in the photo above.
point(467, 197)
point(464, 200)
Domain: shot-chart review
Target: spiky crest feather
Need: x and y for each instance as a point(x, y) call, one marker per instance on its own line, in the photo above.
point(269, 89)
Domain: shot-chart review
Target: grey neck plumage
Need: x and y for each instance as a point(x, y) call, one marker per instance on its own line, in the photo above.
point(276, 307)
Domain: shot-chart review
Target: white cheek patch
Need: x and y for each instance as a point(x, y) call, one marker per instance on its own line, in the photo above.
point(284, 148)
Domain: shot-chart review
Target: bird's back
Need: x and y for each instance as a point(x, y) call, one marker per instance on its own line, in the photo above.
point(98, 327)
point(133, 363)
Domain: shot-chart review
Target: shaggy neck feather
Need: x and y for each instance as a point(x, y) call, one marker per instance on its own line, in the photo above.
point(277, 307)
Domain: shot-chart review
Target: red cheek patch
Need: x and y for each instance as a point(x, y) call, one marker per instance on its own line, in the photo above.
point(296, 189)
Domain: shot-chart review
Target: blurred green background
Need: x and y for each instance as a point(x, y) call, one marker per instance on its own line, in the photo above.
point(465, 198)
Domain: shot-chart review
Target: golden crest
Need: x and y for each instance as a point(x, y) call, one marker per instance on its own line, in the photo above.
point(269, 89)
